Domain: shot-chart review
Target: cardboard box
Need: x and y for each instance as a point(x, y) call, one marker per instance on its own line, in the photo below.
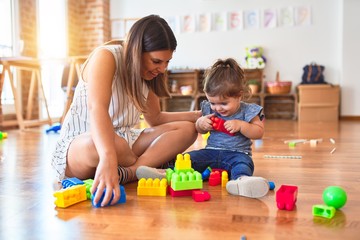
point(318, 102)
point(318, 113)
point(319, 94)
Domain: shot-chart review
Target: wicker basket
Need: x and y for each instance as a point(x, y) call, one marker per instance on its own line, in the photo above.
point(278, 87)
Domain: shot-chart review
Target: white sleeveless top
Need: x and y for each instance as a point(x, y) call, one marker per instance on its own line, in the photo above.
point(122, 112)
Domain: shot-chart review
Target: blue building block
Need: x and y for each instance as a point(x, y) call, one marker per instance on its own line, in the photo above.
point(206, 174)
point(121, 200)
point(54, 128)
point(69, 182)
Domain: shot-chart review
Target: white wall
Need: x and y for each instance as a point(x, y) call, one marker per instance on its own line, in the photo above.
point(287, 49)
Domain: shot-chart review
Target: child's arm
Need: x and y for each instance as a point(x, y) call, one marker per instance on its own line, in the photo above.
point(252, 130)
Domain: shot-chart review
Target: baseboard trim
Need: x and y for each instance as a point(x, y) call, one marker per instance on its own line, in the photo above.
point(350, 118)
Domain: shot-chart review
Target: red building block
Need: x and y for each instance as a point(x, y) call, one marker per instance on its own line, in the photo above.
point(218, 125)
point(286, 197)
point(215, 178)
point(200, 196)
point(181, 193)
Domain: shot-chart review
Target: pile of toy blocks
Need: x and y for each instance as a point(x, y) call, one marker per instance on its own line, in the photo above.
point(180, 181)
point(74, 191)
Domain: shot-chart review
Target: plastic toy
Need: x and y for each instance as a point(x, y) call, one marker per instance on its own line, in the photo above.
point(286, 197)
point(200, 196)
point(121, 200)
point(271, 185)
point(3, 135)
point(206, 173)
point(183, 162)
point(224, 178)
point(218, 125)
point(215, 178)
point(88, 183)
point(181, 193)
point(152, 187)
point(70, 196)
point(283, 156)
point(54, 128)
point(334, 196)
point(254, 57)
point(186, 181)
point(323, 211)
point(69, 182)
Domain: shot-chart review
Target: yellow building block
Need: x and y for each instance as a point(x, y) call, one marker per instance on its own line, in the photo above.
point(224, 178)
point(152, 187)
point(69, 196)
point(183, 162)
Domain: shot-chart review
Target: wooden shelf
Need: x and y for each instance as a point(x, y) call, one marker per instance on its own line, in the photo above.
point(275, 105)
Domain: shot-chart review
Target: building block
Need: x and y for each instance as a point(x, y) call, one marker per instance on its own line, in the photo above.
point(206, 173)
point(152, 187)
point(3, 135)
point(218, 125)
point(182, 163)
point(286, 197)
point(200, 196)
point(54, 128)
point(224, 178)
point(214, 179)
point(323, 211)
point(181, 193)
point(271, 185)
point(69, 182)
point(70, 196)
point(186, 181)
point(122, 198)
point(88, 183)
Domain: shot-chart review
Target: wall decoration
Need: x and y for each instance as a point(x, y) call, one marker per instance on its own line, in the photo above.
point(251, 19)
point(219, 22)
point(121, 26)
point(269, 18)
point(236, 20)
point(286, 16)
point(174, 23)
point(203, 22)
point(303, 15)
point(188, 23)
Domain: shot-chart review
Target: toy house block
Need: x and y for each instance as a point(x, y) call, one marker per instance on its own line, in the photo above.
point(70, 196)
point(214, 179)
point(181, 193)
point(122, 198)
point(88, 183)
point(323, 211)
point(69, 182)
point(183, 162)
point(218, 125)
point(286, 197)
point(200, 196)
point(224, 178)
point(152, 187)
point(186, 181)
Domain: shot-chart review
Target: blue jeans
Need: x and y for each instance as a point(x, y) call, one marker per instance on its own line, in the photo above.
point(237, 164)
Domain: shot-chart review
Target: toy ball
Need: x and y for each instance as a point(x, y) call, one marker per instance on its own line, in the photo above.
point(334, 196)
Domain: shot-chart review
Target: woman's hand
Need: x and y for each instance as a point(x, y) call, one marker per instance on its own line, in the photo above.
point(106, 179)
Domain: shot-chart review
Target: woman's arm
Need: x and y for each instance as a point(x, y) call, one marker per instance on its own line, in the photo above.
point(154, 116)
point(99, 74)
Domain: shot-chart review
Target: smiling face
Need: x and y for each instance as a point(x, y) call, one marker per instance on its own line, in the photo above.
point(225, 106)
point(154, 63)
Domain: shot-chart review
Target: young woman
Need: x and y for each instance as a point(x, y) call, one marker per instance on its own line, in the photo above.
point(118, 83)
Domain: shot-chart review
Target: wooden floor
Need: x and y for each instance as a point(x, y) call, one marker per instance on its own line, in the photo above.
point(28, 212)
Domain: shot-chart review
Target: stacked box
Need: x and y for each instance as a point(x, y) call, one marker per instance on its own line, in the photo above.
point(318, 102)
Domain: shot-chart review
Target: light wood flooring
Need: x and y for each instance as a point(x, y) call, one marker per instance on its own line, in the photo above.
point(27, 209)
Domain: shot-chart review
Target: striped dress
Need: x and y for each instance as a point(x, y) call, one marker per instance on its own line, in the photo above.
point(123, 114)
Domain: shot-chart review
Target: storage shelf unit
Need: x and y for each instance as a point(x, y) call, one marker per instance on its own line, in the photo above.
point(283, 106)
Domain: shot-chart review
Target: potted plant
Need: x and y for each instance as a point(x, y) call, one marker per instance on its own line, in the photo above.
point(253, 85)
